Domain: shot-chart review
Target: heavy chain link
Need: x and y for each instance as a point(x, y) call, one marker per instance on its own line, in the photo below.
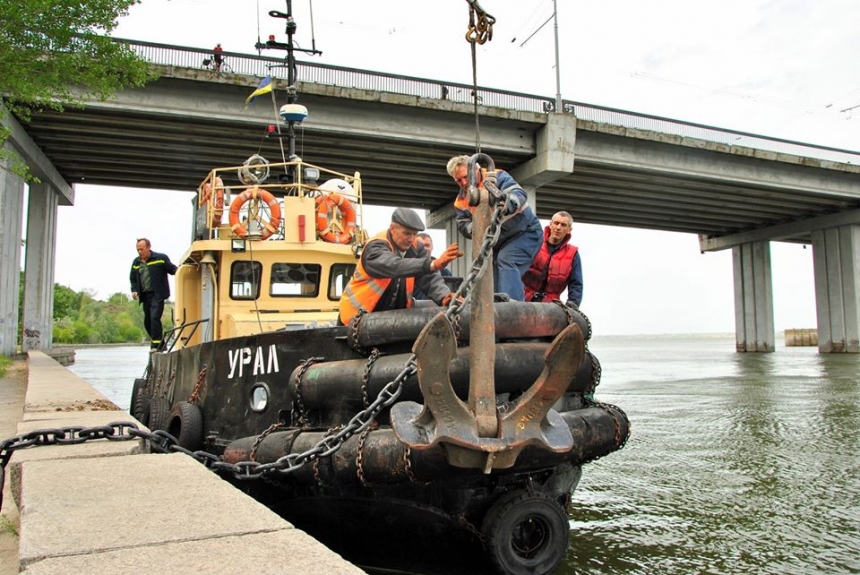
point(201, 379)
point(365, 376)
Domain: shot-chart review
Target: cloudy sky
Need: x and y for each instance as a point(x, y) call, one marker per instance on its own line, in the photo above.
point(782, 68)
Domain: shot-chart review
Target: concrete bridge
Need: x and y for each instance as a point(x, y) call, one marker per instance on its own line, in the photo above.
point(735, 190)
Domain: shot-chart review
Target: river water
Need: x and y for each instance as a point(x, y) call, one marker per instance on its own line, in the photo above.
point(737, 463)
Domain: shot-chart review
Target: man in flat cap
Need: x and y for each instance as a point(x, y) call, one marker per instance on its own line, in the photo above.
point(391, 266)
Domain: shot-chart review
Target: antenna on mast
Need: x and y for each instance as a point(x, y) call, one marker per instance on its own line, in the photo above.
point(291, 112)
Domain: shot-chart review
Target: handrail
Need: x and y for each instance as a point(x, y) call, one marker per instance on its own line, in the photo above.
point(313, 72)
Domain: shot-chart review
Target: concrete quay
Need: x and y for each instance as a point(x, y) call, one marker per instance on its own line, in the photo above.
point(109, 507)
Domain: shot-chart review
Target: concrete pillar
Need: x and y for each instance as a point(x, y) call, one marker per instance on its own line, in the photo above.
point(836, 260)
point(11, 228)
point(753, 297)
point(39, 268)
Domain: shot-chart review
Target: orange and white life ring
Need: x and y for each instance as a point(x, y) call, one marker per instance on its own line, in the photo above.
point(218, 205)
point(266, 197)
point(335, 218)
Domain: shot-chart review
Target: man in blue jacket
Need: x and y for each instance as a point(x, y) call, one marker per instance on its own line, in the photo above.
point(521, 234)
point(150, 287)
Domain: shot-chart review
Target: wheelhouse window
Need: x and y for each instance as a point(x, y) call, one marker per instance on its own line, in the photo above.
point(302, 280)
point(245, 280)
point(339, 277)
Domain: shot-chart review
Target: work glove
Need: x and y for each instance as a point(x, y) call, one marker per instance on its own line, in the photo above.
point(447, 299)
point(450, 254)
point(512, 204)
point(500, 297)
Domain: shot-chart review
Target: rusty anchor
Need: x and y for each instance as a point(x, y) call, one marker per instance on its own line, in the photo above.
point(446, 418)
point(477, 434)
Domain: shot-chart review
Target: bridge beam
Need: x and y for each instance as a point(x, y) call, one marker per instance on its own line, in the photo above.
point(11, 227)
point(754, 329)
point(836, 260)
point(554, 145)
point(39, 268)
point(780, 231)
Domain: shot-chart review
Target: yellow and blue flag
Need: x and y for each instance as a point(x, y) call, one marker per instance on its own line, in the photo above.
point(264, 88)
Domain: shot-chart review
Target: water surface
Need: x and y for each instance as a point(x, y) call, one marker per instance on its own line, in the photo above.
point(738, 463)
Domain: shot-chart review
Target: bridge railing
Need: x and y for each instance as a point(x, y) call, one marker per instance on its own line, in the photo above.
point(316, 73)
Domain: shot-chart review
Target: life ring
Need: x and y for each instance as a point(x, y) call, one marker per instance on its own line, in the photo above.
point(270, 227)
point(339, 227)
point(218, 205)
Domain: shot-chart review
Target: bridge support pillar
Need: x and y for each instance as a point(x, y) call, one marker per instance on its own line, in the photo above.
point(39, 268)
point(836, 260)
point(11, 228)
point(754, 329)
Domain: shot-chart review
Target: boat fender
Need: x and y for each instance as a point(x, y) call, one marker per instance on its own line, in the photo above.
point(156, 413)
point(267, 198)
point(335, 218)
point(136, 389)
point(526, 533)
point(185, 423)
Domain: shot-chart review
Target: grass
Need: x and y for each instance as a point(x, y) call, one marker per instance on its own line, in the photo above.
point(5, 362)
point(7, 526)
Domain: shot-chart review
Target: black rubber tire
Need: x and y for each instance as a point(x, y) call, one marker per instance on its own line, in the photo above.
point(139, 384)
point(141, 406)
point(185, 423)
point(156, 413)
point(526, 534)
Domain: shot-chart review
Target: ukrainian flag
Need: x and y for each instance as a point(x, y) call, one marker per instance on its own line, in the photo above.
point(264, 88)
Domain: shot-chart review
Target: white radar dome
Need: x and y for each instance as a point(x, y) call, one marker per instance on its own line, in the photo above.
point(293, 113)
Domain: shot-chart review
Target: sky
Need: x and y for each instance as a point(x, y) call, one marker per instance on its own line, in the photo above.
point(781, 68)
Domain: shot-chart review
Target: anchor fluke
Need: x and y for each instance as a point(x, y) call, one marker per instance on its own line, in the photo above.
point(445, 418)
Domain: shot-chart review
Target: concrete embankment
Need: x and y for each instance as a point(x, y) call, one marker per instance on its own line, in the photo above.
point(108, 507)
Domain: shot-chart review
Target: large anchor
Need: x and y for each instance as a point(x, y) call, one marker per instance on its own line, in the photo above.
point(478, 434)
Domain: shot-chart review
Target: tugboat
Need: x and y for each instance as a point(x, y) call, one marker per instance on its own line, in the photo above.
point(474, 419)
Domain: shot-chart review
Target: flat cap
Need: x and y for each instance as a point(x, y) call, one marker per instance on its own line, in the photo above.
point(408, 218)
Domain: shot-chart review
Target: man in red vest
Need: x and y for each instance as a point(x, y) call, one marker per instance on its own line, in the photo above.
point(556, 266)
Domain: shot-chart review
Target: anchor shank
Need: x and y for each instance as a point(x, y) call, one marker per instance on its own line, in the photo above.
point(482, 388)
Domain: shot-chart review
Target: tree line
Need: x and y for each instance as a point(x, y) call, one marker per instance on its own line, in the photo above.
point(80, 318)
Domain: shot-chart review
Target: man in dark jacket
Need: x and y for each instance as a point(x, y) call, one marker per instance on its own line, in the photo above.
point(520, 236)
point(392, 266)
point(149, 286)
point(557, 265)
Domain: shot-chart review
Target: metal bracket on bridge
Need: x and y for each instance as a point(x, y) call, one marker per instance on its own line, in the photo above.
point(445, 418)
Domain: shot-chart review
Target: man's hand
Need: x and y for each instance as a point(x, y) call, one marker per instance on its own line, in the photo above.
point(450, 254)
point(134, 295)
point(447, 299)
point(512, 204)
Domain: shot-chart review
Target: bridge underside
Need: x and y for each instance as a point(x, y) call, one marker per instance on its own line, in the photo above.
point(170, 134)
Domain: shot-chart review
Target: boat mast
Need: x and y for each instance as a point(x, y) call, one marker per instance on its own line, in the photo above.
point(292, 71)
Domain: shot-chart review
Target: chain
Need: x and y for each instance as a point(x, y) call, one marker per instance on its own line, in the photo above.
point(461, 519)
point(374, 355)
point(566, 309)
point(359, 460)
point(195, 394)
point(170, 381)
point(298, 417)
point(407, 463)
point(261, 437)
point(316, 463)
point(353, 331)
